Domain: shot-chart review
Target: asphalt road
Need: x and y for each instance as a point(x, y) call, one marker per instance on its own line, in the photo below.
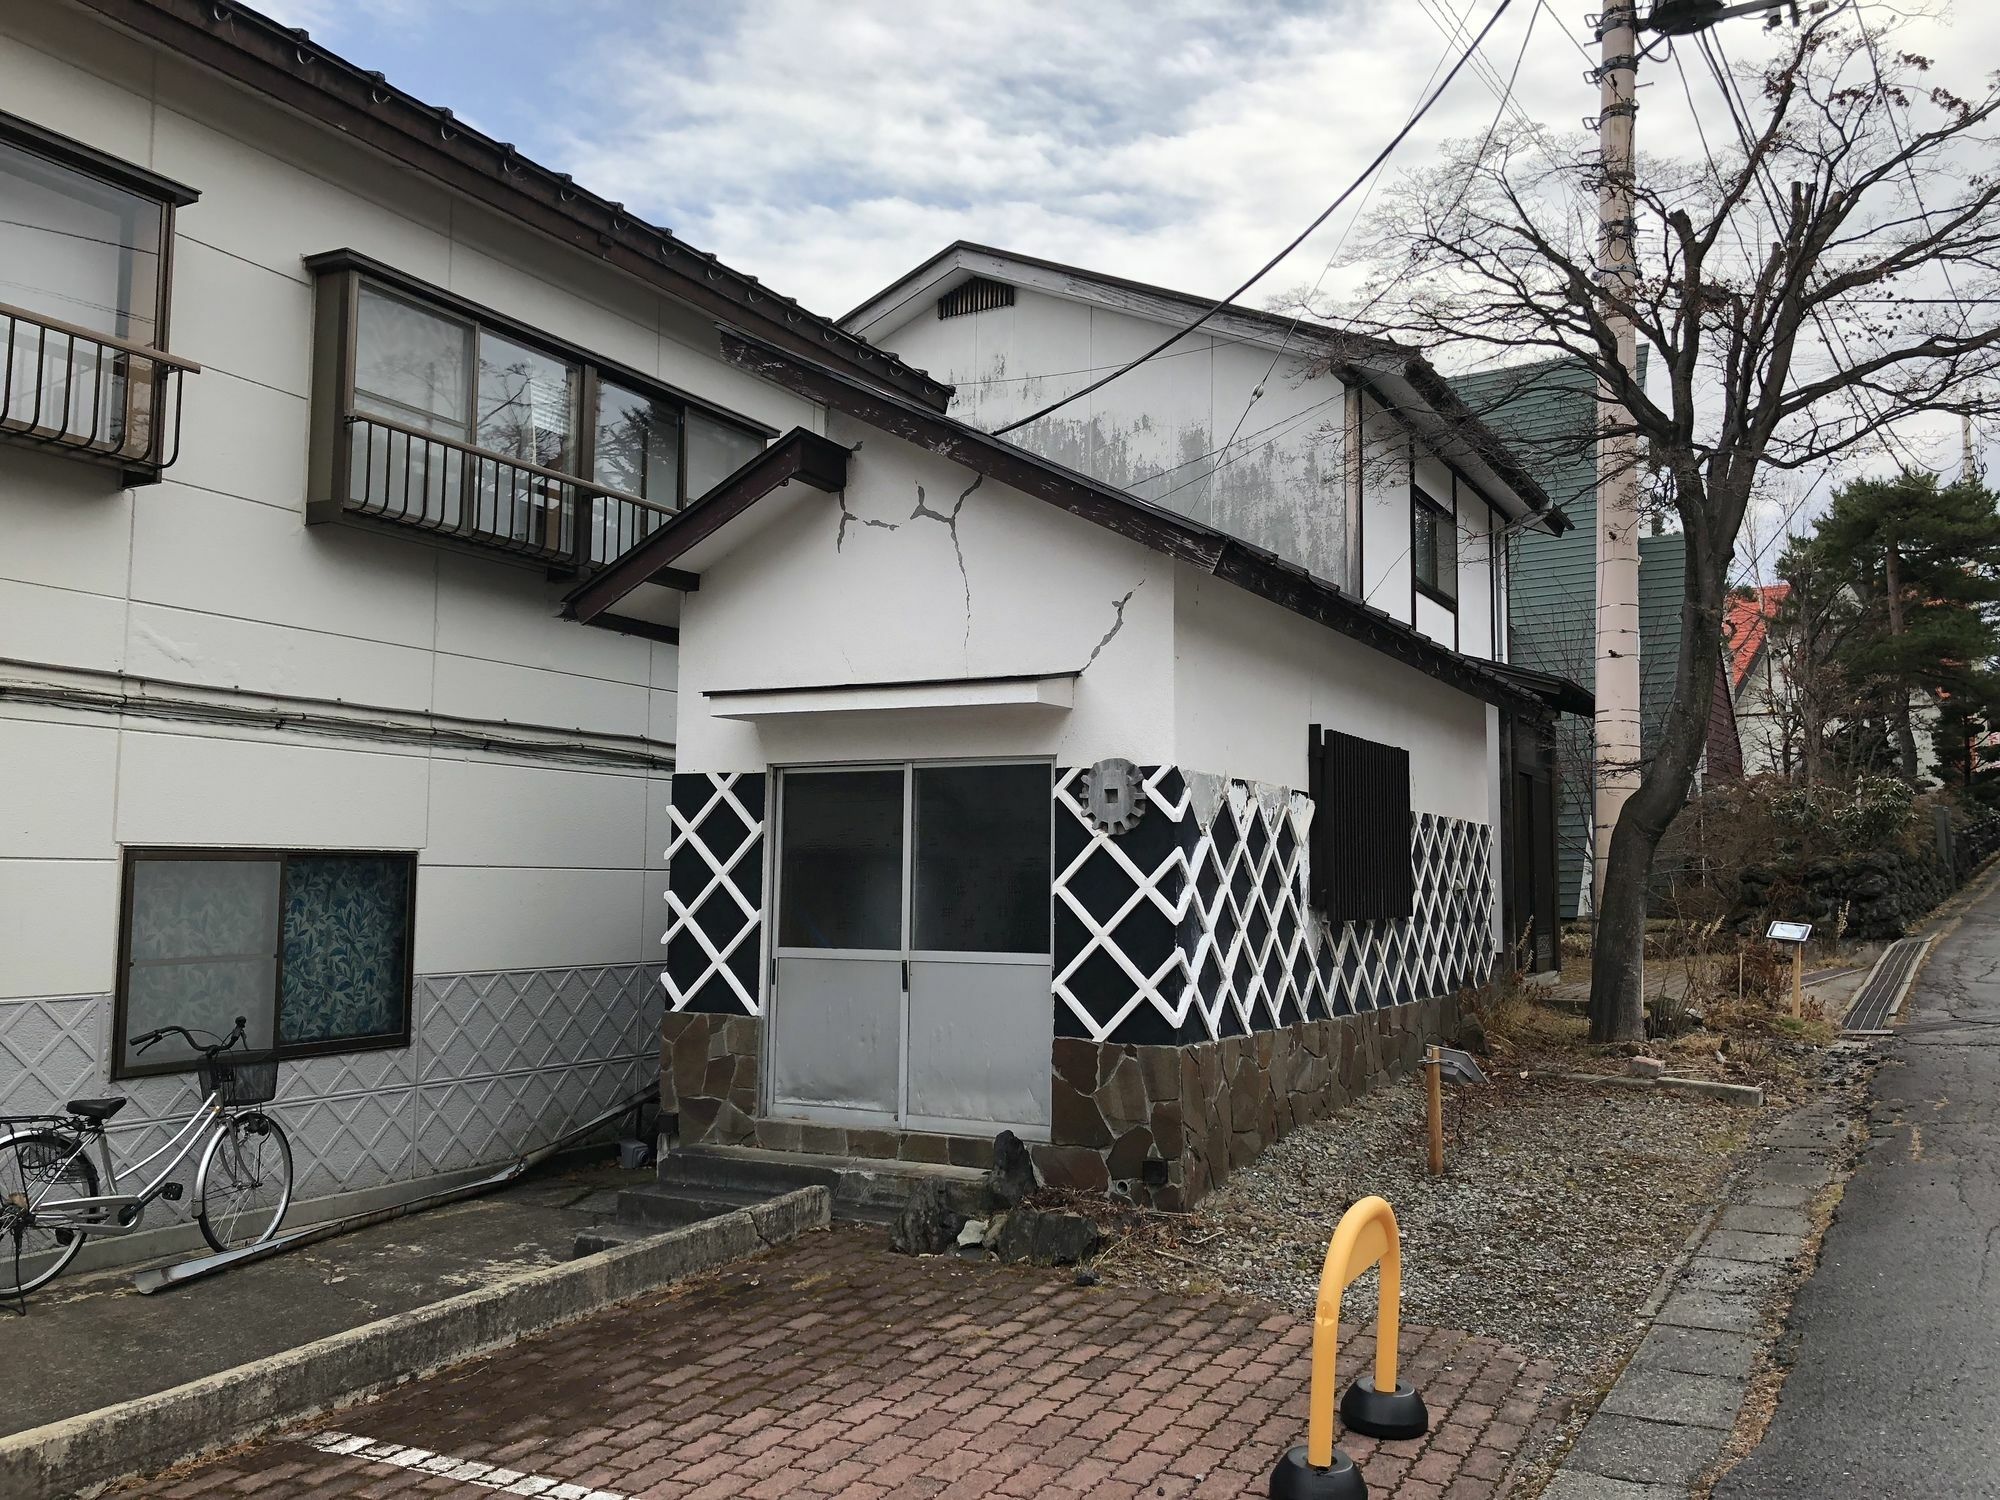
point(1895, 1385)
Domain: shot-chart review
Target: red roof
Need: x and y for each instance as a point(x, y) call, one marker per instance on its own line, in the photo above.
point(1745, 622)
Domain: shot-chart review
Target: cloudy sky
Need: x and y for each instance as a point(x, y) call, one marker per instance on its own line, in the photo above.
point(828, 145)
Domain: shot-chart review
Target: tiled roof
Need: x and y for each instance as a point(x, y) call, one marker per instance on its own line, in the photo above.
point(1746, 621)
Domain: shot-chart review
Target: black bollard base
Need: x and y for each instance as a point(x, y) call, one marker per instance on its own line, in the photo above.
point(1384, 1414)
point(1296, 1479)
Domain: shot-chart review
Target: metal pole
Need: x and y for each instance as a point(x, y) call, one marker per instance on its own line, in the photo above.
point(1617, 650)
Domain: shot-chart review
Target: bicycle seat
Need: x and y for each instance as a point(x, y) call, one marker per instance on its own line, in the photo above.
point(99, 1110)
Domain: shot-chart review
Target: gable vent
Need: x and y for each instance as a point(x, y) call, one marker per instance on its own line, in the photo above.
point(977, 295)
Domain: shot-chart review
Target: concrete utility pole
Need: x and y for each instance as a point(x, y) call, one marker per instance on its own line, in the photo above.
point(1617, 655)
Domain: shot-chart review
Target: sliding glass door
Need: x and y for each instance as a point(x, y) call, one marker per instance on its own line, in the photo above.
point(912, 974)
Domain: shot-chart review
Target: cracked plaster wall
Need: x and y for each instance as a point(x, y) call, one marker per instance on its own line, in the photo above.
point(916, 572)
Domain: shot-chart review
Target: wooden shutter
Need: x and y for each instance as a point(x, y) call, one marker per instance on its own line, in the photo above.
point(1361, 861)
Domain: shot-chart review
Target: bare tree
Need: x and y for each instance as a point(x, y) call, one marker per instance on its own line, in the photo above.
point(1792, 295)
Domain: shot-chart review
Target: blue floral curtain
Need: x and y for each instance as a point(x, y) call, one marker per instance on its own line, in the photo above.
point(346, 936)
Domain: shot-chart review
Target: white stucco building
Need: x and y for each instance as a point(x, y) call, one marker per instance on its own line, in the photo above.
point(900, 635)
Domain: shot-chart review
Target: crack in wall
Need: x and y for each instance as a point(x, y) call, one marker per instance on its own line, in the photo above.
point(950, 523)
point(1117, 624)
point(846, 515)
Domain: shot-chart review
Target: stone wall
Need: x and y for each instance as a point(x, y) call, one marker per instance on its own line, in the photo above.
point(1165, 1124)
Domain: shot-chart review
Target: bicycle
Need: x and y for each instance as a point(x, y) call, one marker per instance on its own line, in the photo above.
point(49, 1198)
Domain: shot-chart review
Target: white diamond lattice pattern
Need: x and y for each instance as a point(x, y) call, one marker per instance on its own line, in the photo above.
point(1195, 927)
point(715, 891)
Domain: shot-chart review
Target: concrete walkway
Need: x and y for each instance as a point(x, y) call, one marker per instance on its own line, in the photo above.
point(1894, 1345)
point(92, 1340)
point(1666, 1419)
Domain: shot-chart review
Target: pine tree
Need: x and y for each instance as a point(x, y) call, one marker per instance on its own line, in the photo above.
point(1922, 561)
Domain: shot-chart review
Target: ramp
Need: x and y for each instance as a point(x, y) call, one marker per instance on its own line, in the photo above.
point(1882, 992)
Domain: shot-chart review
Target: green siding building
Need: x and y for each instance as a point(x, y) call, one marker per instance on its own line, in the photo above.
point(1546, 412)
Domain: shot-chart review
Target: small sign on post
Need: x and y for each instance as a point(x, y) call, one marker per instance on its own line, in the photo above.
point(1441, 1063)
point(1797, 934)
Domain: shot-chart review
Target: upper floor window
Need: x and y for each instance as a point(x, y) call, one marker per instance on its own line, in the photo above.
point(447, 417)
point(85, 256)
point(1434, 549)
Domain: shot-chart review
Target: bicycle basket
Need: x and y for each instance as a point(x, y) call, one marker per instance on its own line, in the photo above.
point(241, 1077)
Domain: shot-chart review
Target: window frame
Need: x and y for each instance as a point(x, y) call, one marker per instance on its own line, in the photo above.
point(135, 855)
point(339, 276)
point(88, 161)
point(1446, 521)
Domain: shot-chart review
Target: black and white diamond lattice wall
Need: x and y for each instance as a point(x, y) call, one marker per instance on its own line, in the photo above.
point(715, 890)
point(1195, 924)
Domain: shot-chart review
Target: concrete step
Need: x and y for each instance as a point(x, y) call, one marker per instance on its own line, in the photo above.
point(609, 1236)
point(864, 1190)
point(666, 1207)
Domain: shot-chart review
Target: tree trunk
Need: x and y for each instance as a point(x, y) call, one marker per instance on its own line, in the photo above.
point(1617, 999)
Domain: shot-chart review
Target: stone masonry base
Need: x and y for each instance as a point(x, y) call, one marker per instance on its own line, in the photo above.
point(1162, 1124)
point(1166, 1124)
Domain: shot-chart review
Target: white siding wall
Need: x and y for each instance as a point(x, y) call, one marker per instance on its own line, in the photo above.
point(1250, 676)
point(211, 582)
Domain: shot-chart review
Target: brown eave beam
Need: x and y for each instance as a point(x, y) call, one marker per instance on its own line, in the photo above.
point(799, 454)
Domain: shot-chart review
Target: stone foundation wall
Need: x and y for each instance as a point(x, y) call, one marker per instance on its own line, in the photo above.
point(1165, 1124)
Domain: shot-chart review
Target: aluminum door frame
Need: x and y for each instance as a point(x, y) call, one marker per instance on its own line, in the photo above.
point(774, 864)
point(768, 1084)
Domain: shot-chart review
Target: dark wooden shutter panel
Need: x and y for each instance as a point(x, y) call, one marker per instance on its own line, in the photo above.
point(1362, 869)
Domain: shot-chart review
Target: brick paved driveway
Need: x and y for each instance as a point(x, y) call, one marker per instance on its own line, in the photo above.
point(833, 1367)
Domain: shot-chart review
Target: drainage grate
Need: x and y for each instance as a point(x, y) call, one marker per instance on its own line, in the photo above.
point(1881, 994)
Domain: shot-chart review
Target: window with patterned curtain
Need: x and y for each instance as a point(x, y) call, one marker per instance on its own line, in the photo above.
point(313, 949)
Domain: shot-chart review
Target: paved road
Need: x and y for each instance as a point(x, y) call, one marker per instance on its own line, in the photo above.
point(832, 1367)
point(1895, 1389)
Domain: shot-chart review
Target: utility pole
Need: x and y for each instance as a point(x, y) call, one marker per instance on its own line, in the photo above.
point(1616, 763)
point(1617, 652)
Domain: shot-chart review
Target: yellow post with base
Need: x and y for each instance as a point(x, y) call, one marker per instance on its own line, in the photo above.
point(1381, 1408)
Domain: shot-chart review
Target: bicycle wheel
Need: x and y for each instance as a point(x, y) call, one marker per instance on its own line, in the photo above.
point(244, 1184)
point(39, 1167)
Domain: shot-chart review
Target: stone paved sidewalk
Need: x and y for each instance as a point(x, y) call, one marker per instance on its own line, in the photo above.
point(832, 1366)
point(1676, 1402)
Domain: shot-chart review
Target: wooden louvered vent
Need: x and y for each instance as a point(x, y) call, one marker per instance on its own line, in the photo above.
point(1362, 867)
point(976, 295)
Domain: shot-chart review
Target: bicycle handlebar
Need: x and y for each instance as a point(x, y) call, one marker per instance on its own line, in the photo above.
point(151, 1038)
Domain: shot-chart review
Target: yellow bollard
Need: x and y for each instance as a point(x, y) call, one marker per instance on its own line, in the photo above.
point(1365, 1236)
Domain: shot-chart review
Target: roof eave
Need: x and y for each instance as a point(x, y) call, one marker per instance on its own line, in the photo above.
point(289, 67)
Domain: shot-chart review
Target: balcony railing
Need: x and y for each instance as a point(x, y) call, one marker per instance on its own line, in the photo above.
point(402, 474)
point(91, 394)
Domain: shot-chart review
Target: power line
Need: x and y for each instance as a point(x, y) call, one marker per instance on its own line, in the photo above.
point(1265, 269)
point(1505, 95)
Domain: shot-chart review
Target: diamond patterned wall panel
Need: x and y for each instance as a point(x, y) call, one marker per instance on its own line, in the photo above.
point(715, 891)
point(508, 1061)
point(49, 1051)
point(1194, 924)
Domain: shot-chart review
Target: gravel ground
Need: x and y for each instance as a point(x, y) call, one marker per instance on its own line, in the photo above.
point(1561, 1207)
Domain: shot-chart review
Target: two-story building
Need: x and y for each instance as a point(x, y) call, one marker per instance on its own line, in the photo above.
point(314, 403)
point(1134, 780)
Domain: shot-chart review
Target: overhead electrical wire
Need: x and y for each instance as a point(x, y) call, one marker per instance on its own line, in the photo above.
point(1504, 94)
point(1258, 275)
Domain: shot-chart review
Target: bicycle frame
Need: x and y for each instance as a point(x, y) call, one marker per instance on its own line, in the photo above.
point(114, 1212)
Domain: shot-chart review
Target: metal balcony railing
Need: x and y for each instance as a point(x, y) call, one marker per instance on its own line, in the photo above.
point(403, 474)
point(92, 394)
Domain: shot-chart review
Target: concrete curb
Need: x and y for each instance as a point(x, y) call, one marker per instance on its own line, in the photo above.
point(82, 1454)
